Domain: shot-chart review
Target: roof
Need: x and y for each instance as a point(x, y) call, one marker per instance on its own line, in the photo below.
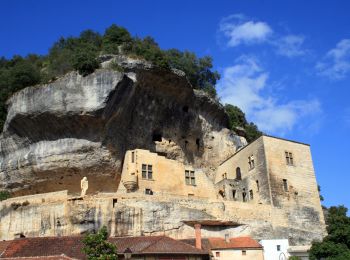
point(155, 245)
point(220, 243)
point(53, 257)
point(71, 247)
point(45, 246)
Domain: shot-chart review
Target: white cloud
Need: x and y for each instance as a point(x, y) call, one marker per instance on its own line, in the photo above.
point(336, 63)
point(239, 30)
point(243, 85)
point(290, 45)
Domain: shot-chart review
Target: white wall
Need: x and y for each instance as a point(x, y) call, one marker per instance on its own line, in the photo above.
point(270, 249)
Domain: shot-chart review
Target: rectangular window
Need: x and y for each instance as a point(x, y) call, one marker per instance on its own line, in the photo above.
point(289, 158)
point(285, 185)
point(147, 171)
point(190, 178)
point(244, 252)
point(257, 185)
point(244, 196)
point(234, 194)
point(251, 195)
point(217, 254)
point(251, 162)
point(132, 157)
point(148, 192)
point(278, 247)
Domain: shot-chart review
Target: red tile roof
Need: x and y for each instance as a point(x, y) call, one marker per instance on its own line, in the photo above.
point(155, 245)
point(220, 243)
point(53, 257)
point(71, 247)
point(45, 246)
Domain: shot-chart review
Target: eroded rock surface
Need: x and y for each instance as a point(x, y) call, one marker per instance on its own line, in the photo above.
point(81, 126)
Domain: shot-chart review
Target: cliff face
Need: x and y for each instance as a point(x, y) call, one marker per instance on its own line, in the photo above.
point(82, 126)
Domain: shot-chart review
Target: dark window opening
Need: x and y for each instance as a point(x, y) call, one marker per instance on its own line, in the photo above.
point(185, 109)
point(217, 254)
point(244, 252)
point(251, 195)
point(157, 137)
point(278, 247)
point(132, 157)
point(186, 142)
point(148, 192)
point(115, 202)
point(244, 196)
point(257, 185)
point(198, 143)
point(238, 174)
point(285, 185)
point(234, 194)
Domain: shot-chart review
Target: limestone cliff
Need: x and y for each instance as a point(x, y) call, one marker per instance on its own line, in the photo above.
point(82, 126)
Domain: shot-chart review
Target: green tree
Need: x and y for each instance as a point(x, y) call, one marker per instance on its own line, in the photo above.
point(114, 37)
point(96, 246)
point(237, 119)
point(336, 245)
point(85, 61)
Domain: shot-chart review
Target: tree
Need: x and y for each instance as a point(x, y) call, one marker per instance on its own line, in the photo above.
point(114, 37)
point(85, 61)
point(96, 246)
point(336, 245)
point(237, 119)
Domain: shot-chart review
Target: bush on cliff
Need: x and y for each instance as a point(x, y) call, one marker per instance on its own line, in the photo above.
point(336, 245)
point(237, 119)
point(80, 53)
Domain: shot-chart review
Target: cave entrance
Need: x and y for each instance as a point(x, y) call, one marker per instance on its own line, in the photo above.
point(156, 137)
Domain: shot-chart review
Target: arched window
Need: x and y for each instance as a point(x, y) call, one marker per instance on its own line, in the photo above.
point(238, 174)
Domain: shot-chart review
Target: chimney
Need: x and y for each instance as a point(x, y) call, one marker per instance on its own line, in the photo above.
point(197, 228)
point(227, 238)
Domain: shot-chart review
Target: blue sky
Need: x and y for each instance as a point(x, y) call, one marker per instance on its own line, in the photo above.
point(285, 63)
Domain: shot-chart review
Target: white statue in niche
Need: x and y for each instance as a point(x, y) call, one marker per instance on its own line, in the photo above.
point(84, 185)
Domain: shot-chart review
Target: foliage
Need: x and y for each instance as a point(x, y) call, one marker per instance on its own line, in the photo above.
point(96, 246)
point(4, 195)
point(237, 119)
point(319, 192)
point(336, 245)
point(294, 258)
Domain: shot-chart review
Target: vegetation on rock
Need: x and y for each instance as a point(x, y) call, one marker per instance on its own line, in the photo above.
point(336, 245)
point(81, 53)
point(96, 246)
point(4, 195)
point(237, 119)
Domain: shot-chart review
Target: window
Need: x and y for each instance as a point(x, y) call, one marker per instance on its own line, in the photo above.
point(251, 162)
point(244, 252)
point(224, 176)
point(289, 158)
point(278, 247)
point(257, 185)
point(147, 171)
point(148, 192)
point(251, 195)
point(285, 185)
point(234, 194)
point(132, 157)
point(189, 177)
point(217, 254)
point(190, 195)
point(238, 174)
point(244, 196)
